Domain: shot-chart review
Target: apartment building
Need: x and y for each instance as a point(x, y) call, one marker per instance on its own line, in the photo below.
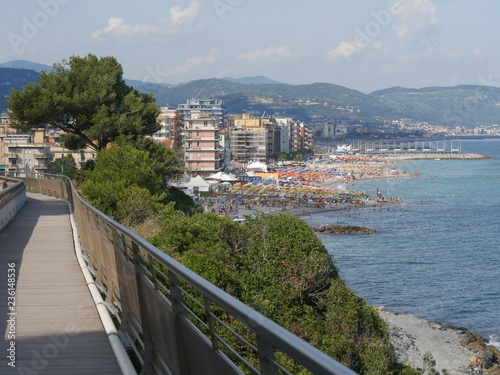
point(172, 129)
point(254, 138)
point(211, 107)
point(203, 154)
point(5, 129)
point(25, 153)
point(81, 157)
point(34, 152)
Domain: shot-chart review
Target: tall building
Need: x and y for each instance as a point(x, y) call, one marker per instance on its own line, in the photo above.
point(195, 130)
point(285, 125)
point(211, 107)
point(171, 131)
point(203, 154)
point(253, 138)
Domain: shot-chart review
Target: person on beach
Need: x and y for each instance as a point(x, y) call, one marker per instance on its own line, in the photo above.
point(477, 365)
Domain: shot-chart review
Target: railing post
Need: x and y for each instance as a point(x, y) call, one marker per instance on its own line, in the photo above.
point(211, 324)
point(266, 357)
point(179, 312)
point(153, 272)
point(146, 329)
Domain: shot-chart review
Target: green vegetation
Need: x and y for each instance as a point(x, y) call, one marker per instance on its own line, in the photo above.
point(88, 99)
point(11, 78)
point(430, 365)
point(465, 105)
point(278, 266)
point(65, 165)
point(128, 184)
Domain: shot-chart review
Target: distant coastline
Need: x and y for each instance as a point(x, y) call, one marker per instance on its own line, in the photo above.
point(435, 155)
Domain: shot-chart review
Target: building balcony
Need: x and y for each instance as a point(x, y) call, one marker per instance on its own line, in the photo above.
point(41, 156)
point(203, 158)
point(201, 129)
point(201, 139)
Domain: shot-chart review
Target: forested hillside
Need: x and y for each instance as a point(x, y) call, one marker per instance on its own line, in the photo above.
point(11, 78)
point(467, 105)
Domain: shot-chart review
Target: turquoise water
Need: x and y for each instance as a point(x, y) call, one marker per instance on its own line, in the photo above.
point(437, 255)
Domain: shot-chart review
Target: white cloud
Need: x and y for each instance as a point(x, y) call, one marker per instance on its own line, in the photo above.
point(346, 49)
point(414, 15)
point(194, 63)
point(413, 20)
point(118, 28)
point(478, 54)
point(269, 54)
point(179, 15)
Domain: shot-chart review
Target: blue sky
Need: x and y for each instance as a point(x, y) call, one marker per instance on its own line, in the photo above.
point(364, 45)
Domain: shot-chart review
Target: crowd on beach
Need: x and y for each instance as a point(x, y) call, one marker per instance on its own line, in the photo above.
point(316, 186)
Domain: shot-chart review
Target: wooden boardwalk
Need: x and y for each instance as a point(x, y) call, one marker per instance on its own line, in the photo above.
point(54, 327)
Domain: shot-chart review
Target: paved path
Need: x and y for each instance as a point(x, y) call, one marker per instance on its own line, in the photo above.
point(55, 328)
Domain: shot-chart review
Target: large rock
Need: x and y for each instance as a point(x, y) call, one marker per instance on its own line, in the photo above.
point(343, 229)
point(488, 354)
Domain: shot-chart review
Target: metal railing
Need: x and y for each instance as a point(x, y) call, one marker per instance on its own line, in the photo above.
point(12, 199)
point(171, 320)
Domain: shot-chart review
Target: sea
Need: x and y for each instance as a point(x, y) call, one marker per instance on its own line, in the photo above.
point(437, 254)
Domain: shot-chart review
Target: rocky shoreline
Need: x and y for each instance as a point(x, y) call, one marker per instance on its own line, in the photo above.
point(451, 347)
point(342, 229)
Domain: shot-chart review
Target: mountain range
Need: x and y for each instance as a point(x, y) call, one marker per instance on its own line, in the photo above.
point(465, 105)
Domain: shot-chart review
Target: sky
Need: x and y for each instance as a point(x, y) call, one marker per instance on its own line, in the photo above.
point(365, 45)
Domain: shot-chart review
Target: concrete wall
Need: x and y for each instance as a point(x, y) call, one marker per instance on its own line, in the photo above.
point(9, 207)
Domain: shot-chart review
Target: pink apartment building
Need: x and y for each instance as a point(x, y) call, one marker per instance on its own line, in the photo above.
point(202, 150)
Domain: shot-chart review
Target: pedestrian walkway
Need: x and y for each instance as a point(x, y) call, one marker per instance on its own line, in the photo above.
point(48, 318)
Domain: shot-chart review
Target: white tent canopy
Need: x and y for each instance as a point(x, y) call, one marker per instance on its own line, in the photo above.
point(198, 182)
point(257, 167)
point(221, 176)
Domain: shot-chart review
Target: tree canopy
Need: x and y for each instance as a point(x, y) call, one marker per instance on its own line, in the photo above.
point(88, 99)
point(65, 165)
point(126, 185)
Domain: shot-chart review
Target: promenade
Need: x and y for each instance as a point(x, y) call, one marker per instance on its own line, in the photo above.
point(49, 322)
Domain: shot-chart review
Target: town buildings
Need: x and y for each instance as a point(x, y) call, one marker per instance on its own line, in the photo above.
point(33, 152)
point(199, 131)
